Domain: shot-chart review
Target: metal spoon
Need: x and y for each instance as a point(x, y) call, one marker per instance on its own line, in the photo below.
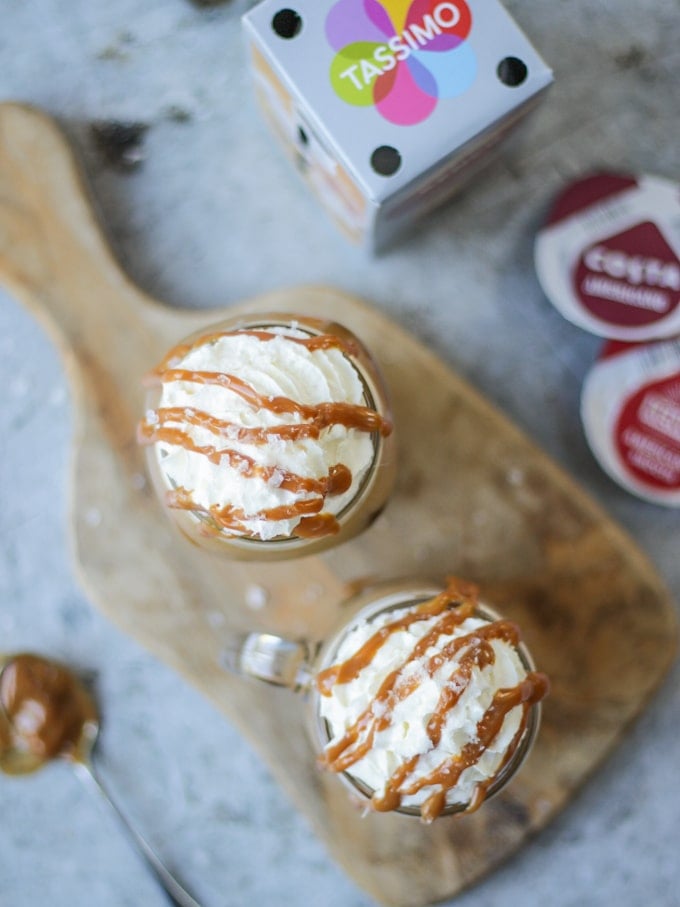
point(47, 713)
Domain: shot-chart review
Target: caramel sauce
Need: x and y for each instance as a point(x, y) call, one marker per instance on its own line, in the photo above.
point(317, 418)
point(456, 594)
point(350, 415)
point(321, 416)
point(233, 518)
point(339, 477)
point(527, 693)
point(315, 527)
point(45, 712)
point(315, 342)
point(455, 604)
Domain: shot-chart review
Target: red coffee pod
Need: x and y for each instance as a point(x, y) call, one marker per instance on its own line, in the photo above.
point(630, 407)
point(608, 257)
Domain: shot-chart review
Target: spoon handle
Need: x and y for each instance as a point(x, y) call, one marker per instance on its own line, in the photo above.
point(176, 894)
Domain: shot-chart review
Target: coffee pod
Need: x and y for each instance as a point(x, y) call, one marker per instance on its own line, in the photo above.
point(630, 408)
point(608, 256)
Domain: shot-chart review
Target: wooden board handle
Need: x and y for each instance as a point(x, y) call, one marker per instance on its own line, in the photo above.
point(53, 255)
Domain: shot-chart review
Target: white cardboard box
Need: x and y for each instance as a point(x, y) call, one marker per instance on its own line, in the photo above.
point(387, 106)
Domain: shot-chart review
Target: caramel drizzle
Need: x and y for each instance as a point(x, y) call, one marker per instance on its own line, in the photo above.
point(351, 415)
point(314, 342)
point(317, 418)
point(337, 481)
point(233, 518)
point(458, 593)
point(321, 416)
point(359, 738)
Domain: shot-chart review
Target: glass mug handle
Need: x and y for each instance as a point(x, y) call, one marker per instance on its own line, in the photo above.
point(272, 659)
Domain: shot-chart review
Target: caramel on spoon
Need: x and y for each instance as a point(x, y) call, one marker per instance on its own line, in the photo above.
point(47, 713)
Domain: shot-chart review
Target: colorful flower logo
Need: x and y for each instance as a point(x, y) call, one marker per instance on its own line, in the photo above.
point(400, 56)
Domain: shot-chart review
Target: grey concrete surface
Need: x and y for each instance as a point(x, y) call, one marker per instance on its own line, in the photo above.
point(215, 214)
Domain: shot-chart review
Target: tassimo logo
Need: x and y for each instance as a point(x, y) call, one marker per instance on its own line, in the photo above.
point(400, 57)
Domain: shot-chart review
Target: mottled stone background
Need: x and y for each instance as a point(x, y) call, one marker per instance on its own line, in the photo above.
point(215, 214)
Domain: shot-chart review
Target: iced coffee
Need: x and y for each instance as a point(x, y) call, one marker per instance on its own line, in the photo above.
point(427, 703)
point(269, 437)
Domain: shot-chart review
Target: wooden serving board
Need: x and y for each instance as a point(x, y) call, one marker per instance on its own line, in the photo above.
point(474, 497)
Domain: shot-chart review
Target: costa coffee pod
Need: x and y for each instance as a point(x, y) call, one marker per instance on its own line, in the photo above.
point(630, 407)
point(608, 257)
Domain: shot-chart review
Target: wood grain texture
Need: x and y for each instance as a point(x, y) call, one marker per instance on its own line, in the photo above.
point(474, 497)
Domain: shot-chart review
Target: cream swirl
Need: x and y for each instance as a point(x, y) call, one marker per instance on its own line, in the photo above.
point(262, 433)
point(426, 705)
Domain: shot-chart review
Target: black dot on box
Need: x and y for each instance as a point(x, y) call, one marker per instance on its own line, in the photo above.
point(386, 160)
point(512, 71)
point(287, 23)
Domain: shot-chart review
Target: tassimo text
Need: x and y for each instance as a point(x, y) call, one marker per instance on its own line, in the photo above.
point(415, 37)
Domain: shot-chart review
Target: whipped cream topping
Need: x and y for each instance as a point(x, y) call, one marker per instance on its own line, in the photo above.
point(262, 433)
point(425, 709)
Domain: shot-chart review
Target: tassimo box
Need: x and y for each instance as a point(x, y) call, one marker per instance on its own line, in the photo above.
point(386, 106)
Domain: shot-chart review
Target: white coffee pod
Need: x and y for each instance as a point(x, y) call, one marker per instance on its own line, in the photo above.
point(630, 408)
point(608, 256)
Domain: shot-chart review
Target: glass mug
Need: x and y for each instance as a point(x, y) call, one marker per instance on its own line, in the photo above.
point(396, 707)
point(269, 437)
